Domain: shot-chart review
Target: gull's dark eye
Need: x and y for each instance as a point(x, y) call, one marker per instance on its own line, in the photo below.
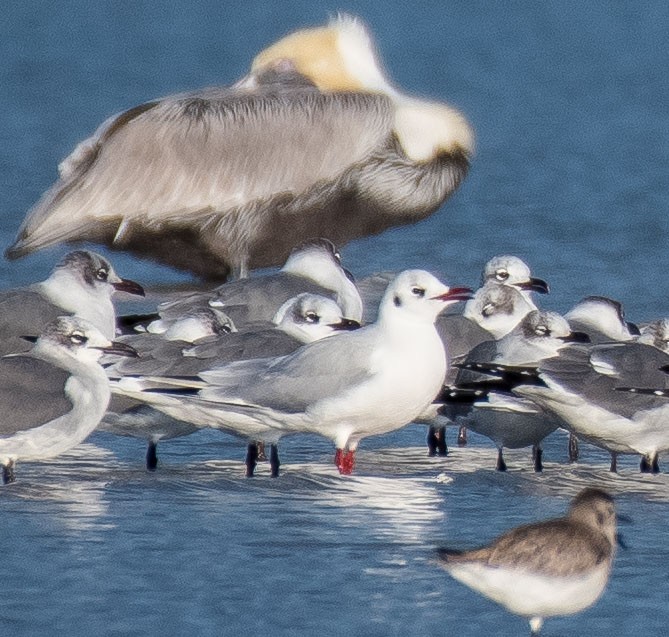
point(78, 338)
point(417, 291)
point(102, 274)
point(337, 255)
point(501, 275)
point(542, 330)
point(312, 317)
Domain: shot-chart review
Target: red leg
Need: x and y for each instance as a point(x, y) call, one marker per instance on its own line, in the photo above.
point(347, 463)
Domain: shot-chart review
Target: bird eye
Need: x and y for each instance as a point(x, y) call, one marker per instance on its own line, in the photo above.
point(78, 338)
point(488, 309)
point(312, 317)
point(501, 275)
point(542, 330)
point(337, 255)
point(419, 292)
point(101, 274)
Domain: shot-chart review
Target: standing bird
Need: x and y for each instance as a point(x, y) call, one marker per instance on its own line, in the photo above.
point(53, 396)
point(346, 387)
point(315, 141)
point(82, 283)
point(547, 569)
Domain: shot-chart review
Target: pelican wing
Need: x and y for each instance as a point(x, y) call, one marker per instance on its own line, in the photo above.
point(203, 153)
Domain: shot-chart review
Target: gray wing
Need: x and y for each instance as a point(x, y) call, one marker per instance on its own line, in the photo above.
point(460, 335)
point(23, 312)
point(292, 383)
point(32, 392)
point(223, 149)
point(596, 372)
point(247, 300)
point(551, 547)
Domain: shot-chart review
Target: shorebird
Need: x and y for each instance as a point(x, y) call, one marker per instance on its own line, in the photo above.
point(304, 319)
point(315, 141)
point(53, 396)
point(546, 569)
point(82, 284)
point(345, 387)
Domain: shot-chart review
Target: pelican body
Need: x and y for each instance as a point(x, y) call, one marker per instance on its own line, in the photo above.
point(313, 142)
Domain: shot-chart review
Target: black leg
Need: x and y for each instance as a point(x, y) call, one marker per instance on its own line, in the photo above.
point(537, 453)
point(654, 465)
point(274, 460)
point(614, 462)
point(442, 449)
point(573, 448)
point(251, 459)
point(432, 441)
point(151, 456)
point(645, 466)
point(501, 465)
point(462, 436)
point(8, 473)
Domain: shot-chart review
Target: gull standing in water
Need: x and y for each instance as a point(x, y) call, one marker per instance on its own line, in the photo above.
point(315, 141)
point(82, 283)
point(313, 266)
point(546, 569)
point(345, 387)
point(53, 396)
point(303, 319)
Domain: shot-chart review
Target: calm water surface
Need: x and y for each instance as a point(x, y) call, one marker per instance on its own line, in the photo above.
point(569, 101)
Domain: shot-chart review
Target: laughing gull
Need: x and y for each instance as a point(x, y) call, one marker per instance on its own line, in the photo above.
point(510, 270)
point(303, 319)
point(494, 311)
point(53, 396)
point(82, 283)
point(346, 387)
point(583, 388)
point(315, 141)
point(603, 320)
point(314, 266)
point(544, 569)
point(508, 420)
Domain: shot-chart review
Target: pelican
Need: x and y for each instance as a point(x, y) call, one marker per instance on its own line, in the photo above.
point(315, 141)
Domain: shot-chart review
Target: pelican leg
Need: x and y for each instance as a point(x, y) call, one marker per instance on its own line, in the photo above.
point(501, 465)
point(573, 447)
point(251, 458)
point(274, 460)
point(151, 456)
point(8, 473)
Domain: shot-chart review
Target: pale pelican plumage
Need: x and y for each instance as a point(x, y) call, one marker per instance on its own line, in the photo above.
point(315, 141)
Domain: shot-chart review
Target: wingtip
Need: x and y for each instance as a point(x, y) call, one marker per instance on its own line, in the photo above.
point(16, 251)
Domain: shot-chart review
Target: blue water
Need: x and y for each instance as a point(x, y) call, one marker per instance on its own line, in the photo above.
point(569, 102)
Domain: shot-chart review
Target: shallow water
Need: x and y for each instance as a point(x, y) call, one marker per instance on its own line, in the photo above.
point(569, 104)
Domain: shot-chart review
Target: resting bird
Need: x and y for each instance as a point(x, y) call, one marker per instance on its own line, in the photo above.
point(82, 283)
point(315, 141)
point(545, 569)
point(53, 396)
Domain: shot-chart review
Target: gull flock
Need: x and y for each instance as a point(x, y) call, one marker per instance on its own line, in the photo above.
point(222, 181)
